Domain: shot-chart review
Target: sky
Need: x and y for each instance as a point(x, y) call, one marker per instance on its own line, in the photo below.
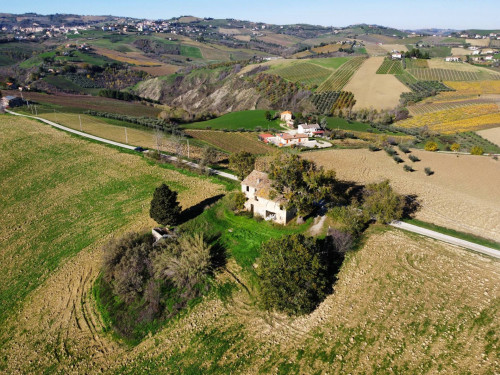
point(403, 14)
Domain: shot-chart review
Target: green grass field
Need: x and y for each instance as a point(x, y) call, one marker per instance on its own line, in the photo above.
point(248, 120)
point(70, 202)
point(330, 62)
point(305, 73)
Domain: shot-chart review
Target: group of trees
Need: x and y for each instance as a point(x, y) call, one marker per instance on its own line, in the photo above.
point(415, 52)
point(143, 281)
point(302, 183)
point(296, 272)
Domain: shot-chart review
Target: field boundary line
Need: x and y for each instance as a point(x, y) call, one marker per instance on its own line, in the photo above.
point(122, 145)
point(446, 238)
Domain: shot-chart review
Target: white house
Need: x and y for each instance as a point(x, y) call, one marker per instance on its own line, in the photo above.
point(396, 56)
point(476, 52)
point(287, 139)
point(263, 200)
point(453, 59)
point(488, 58)
point(309, 129)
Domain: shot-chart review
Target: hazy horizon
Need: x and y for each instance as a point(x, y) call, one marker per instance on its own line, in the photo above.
point(459, 14)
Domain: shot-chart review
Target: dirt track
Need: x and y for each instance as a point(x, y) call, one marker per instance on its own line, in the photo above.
point(463, 194)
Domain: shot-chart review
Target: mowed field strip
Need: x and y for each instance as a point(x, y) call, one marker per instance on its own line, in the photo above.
point(463, 194)
point(380, 91)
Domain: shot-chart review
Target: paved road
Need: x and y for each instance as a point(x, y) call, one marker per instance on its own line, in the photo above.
point(398, 224)
point(445, 238)
point(122, 145)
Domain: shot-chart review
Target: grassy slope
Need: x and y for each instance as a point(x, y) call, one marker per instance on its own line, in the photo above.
point(235, 120)
point(73, 193)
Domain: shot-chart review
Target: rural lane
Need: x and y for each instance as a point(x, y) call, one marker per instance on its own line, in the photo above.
point(122, 145)
point(397, 224)
point(445, 238)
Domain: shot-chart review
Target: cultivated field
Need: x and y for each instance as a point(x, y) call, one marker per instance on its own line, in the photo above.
point(380, 91)
point(456, 196)
point(306, 73)
point(416, 63)
point(232, 141)
point(328, 48)
point(131, 134)
point(390, 67)
point(420, 109)
point(375, 50)
point(80, 103)
point(342, 75)
point(280, 39)
point(464, 118)
point(65, 197)
point(432, 74)
point(478, 42)
point(394, 47)
point(493, 135)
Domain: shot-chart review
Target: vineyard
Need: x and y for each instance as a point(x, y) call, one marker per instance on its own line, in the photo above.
point(421, 90)
point(328, 101)
point(458, 119)
point(406, 78)
point(416, 64)
point(232, 141)
point(306, 73)
point(468, 124)
point(390, 67)
point(422, 109)
point(342, 75)
point(476, 88)
point(451, 75)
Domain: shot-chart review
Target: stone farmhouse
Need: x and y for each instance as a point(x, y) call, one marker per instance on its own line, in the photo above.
point(287, 117)
point(262, 199)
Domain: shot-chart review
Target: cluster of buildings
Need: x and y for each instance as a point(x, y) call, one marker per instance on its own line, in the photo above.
point(36, 31)
point(293, 137)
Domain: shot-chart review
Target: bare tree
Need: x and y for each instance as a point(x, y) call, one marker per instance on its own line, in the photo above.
point(158, 137)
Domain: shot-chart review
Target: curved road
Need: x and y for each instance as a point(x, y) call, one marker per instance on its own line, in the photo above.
point(118, 144)
point(397, 224)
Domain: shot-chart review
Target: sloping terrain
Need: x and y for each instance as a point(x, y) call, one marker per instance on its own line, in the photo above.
point(380, 91)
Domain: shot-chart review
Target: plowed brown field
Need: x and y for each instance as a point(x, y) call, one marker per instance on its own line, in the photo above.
point(463, 194)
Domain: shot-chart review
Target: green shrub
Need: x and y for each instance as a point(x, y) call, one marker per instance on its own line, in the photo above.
point(428, 171)
point(397, 159)
point(293, 275)
point(414, 158)
point(408, 168)
point(476, 150)
point(382, 203)
point(373, 148)
point(431, 146)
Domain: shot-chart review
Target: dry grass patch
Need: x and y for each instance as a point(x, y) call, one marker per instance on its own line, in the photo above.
point(380, 91)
